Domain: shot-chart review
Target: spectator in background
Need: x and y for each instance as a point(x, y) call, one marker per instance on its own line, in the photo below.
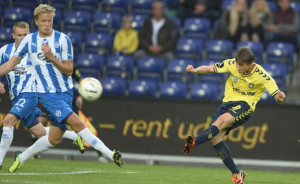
point(260, 18)
point(285, 24)
point(157, 35)
point(209, 9)
point(234, 23)
point(186, 8)
point(126, 40)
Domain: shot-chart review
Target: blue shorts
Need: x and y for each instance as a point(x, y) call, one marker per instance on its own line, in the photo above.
point(25, 108)
point(59, 106)
point(240, 110)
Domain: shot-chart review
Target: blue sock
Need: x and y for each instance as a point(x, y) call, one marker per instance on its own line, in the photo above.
point(225, 155)
point(206, 135)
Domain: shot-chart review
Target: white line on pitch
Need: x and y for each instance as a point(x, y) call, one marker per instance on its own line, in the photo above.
point(64, 173)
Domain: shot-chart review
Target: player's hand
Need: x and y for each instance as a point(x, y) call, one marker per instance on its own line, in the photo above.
point(2, 89)
point(190, 69)
point(47, 50)
point(79, 102)
point(280, 97)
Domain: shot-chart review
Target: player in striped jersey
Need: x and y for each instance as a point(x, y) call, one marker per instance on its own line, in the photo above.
point(22, 92)
point(51, 53)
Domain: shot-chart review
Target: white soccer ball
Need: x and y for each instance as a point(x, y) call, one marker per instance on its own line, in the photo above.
point(90, 89)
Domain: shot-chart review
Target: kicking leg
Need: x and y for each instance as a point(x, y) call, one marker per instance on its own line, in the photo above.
point(92, 140)
point(224, 121)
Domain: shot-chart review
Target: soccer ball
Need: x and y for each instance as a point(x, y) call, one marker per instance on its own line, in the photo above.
point(90, 89)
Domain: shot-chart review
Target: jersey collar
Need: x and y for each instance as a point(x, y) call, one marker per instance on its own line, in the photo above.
point(248, 75)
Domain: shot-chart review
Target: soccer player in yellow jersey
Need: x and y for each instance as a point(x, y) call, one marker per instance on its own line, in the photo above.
point(243, 90)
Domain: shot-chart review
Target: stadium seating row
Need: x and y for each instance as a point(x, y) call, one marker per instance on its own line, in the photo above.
point(153, 69)
point(204, 90)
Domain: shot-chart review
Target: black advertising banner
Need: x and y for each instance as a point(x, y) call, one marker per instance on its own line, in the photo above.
point(160, 127)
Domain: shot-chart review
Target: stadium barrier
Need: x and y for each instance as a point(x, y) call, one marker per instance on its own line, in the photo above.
point(158, 127)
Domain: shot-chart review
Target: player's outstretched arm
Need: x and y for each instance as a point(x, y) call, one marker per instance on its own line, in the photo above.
point(280, 97)
point(9, 65)
point(201, 69)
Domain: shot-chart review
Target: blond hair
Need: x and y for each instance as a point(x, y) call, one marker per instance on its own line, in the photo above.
point(126, 18)
point(266, 7)
point(43, 8)
point(20, 24)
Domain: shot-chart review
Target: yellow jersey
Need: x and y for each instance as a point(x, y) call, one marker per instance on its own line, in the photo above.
point(126, 39)
point(248, 88)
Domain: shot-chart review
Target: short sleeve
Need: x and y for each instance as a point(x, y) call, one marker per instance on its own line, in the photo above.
point(23, 47)
point(67, 49)
point(224, 66)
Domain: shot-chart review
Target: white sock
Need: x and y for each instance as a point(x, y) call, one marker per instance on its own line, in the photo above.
point(70, 135)
point(6, 140)
point(67, 135)
point(40, 146)
point(95, 142)
point(47, 130)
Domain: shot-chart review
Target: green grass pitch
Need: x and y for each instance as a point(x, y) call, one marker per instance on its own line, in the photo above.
point(78, 172)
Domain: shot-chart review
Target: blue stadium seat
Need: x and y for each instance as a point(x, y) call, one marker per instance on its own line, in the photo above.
point(173, 89)
point(115, 5)
point(176, 69)
point(90, 65)
point(219, 49)
point(206, 90)
point(107, 21)
point(76, 39)
point(6, 35)
point(138, 21)
point(226, 4)
point(189, 48)
point(113, 86)
point(256, 47)
point(99, 43)
point(142, 6)
point(216, 27)
point(278, 71)
point(85, 4)
point(197, 27)
point(79, 20)
point(58, 18)
point(4, 3)
point(280, 52)
point(219, 77)
point(296, 6)
point(121, 66)
point(58, 3)
point(150, 68)
point(141, 87)
point(15, 14)
point(27, 3)
point(272, 5)
point(177, 22)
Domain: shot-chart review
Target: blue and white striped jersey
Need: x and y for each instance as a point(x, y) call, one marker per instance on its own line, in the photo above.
point(22, 78)
point(48, 78)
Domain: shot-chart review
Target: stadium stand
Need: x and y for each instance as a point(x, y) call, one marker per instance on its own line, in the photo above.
point(91, 25)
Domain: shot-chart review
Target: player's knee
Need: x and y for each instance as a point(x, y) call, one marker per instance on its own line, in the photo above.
point(39, 134)
point(9, 120)
point(216, 140)
point(55, 142)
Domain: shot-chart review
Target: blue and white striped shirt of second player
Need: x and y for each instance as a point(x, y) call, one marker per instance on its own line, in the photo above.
point(21, 79)
point(48, 78)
